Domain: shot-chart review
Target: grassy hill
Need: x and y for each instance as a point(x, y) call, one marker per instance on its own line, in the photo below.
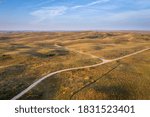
point(25, 57)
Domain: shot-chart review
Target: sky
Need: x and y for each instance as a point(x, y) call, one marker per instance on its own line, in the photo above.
point(74, 15)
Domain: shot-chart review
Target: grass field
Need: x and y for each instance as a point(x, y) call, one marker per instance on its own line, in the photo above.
point(25, 57)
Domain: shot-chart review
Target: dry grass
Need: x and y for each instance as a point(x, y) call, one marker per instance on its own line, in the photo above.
point(130, 80)
point(26, 57)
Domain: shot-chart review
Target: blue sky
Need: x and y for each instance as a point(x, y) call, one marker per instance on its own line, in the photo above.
point(74, 14)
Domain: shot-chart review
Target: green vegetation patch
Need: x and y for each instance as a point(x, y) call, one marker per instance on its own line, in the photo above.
point(12, 71)
point(52, 53)
point(10, 88)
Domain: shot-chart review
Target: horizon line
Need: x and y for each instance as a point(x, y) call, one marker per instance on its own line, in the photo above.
point(106, 30)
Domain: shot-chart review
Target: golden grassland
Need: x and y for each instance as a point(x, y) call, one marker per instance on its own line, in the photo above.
point(27, 56)
point(130, 80)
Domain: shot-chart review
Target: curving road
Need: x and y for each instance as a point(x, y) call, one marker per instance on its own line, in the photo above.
point(70, 69)
point(80, 52)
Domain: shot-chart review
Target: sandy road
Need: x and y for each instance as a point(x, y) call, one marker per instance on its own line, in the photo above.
point(70, 69)
point(80, 52)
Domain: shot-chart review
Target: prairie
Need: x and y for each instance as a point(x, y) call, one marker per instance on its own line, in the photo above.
point(25, 57)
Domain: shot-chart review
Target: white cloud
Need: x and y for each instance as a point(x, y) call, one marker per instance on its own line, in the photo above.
point(48, 12)
point(90, 4)
point(39, 4)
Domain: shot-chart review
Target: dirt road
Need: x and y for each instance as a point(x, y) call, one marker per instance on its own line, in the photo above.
point(70, 69)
